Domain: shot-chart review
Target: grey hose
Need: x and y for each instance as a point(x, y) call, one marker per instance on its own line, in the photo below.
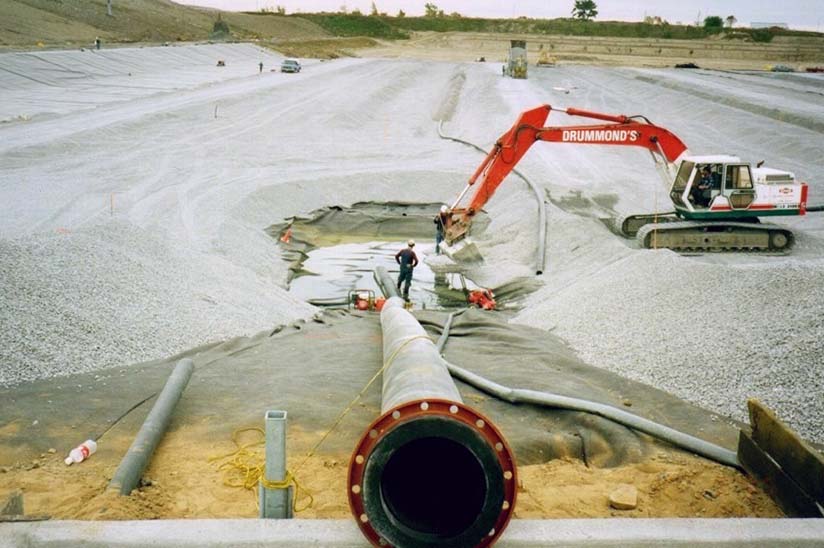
point(518, 395)
point(540, 259)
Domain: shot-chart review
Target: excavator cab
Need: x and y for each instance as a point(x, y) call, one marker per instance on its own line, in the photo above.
point(738, 186)
point(706, 185)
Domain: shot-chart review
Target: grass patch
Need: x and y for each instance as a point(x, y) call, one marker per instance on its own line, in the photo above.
point(388, 27)
point(331, 48)
point(342, 24)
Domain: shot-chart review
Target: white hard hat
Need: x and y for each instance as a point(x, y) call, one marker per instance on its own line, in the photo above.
point(444, 209)
point(411, 243)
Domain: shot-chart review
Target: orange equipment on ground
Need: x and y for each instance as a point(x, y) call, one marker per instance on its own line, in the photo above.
point(364, 299)
point(482, 298)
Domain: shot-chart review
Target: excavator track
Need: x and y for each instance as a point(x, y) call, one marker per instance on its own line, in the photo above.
point(691, 236)
point(629, 225)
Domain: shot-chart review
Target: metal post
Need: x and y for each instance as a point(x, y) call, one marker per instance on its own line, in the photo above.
point(131, 468)
point(430, 470)
point(275, 503)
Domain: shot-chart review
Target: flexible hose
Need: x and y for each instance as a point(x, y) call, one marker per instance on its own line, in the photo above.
point(819, 207)
point(654, 429)
point(541, 256)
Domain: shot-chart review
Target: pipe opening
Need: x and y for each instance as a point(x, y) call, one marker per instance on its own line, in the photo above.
point(433, 481)
point(433, 486)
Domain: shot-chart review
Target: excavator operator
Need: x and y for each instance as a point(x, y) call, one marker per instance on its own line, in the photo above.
point(408, 260)
point(710, 180)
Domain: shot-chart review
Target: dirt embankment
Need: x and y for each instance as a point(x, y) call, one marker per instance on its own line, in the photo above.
point(45, 23)
point(795, 51)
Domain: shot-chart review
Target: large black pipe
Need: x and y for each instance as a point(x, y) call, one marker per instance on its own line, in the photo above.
point(386, 283)
point(429, 471)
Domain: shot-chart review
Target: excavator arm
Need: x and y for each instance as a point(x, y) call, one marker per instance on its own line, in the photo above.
point(622, 130)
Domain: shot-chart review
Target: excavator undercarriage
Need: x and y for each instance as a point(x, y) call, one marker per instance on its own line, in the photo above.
point(694, 236)
point(668, 231)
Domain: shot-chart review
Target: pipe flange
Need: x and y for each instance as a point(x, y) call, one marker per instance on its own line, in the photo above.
point(434, 419)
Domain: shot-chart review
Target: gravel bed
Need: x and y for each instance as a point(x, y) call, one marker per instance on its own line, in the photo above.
point(712, 334)
point(115, 295)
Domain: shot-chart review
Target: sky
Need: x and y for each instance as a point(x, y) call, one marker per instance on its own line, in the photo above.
point(799, 14)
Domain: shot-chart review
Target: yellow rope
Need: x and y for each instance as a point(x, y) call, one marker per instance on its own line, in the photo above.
point(349, 407)
point(245, 467)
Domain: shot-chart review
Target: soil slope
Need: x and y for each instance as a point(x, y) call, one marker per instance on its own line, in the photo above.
point(54, 24)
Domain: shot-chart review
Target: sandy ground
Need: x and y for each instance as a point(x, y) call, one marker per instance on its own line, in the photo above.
point(668, 486)
point(134, 229)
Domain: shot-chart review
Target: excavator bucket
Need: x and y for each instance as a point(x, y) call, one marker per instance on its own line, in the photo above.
point(464, 251)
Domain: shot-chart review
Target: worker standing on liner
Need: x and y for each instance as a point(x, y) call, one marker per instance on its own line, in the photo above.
point(408, 260)
point(441, 220)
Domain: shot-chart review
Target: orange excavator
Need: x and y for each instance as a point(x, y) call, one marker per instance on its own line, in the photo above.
point(717, 200)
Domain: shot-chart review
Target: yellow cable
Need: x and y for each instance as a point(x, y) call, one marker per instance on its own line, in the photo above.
point(245, 468)
point(349, 407)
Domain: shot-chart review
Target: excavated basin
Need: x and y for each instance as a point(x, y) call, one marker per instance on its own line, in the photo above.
point(335, 250)
point(327, 274)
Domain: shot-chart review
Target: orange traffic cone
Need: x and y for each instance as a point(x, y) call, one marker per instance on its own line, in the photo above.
point(286, 235)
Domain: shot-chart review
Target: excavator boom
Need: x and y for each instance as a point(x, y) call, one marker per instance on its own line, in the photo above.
point(529, 128)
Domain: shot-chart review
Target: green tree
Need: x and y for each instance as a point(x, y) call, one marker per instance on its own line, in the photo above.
point(401, 13)
point(220, 27)
point(585, 10)
point(762, 35)
point(431, 10)
point(713, 23)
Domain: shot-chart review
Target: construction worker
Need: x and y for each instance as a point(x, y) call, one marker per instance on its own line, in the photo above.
point(440, 227)
point(408, 260)
point(260, 66)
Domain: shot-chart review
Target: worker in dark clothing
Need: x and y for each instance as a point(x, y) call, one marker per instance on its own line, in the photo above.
point(260, 66)
point(408, 260)
point(710, 181)
point(440, 227)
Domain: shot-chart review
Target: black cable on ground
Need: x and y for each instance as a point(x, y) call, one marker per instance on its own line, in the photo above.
point(541, 256)
point(546, 399)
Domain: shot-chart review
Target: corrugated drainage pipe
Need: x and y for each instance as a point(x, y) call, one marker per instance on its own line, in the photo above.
point(540, 258)
point(131, 468)
point(430, 471)
point(518, 395)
